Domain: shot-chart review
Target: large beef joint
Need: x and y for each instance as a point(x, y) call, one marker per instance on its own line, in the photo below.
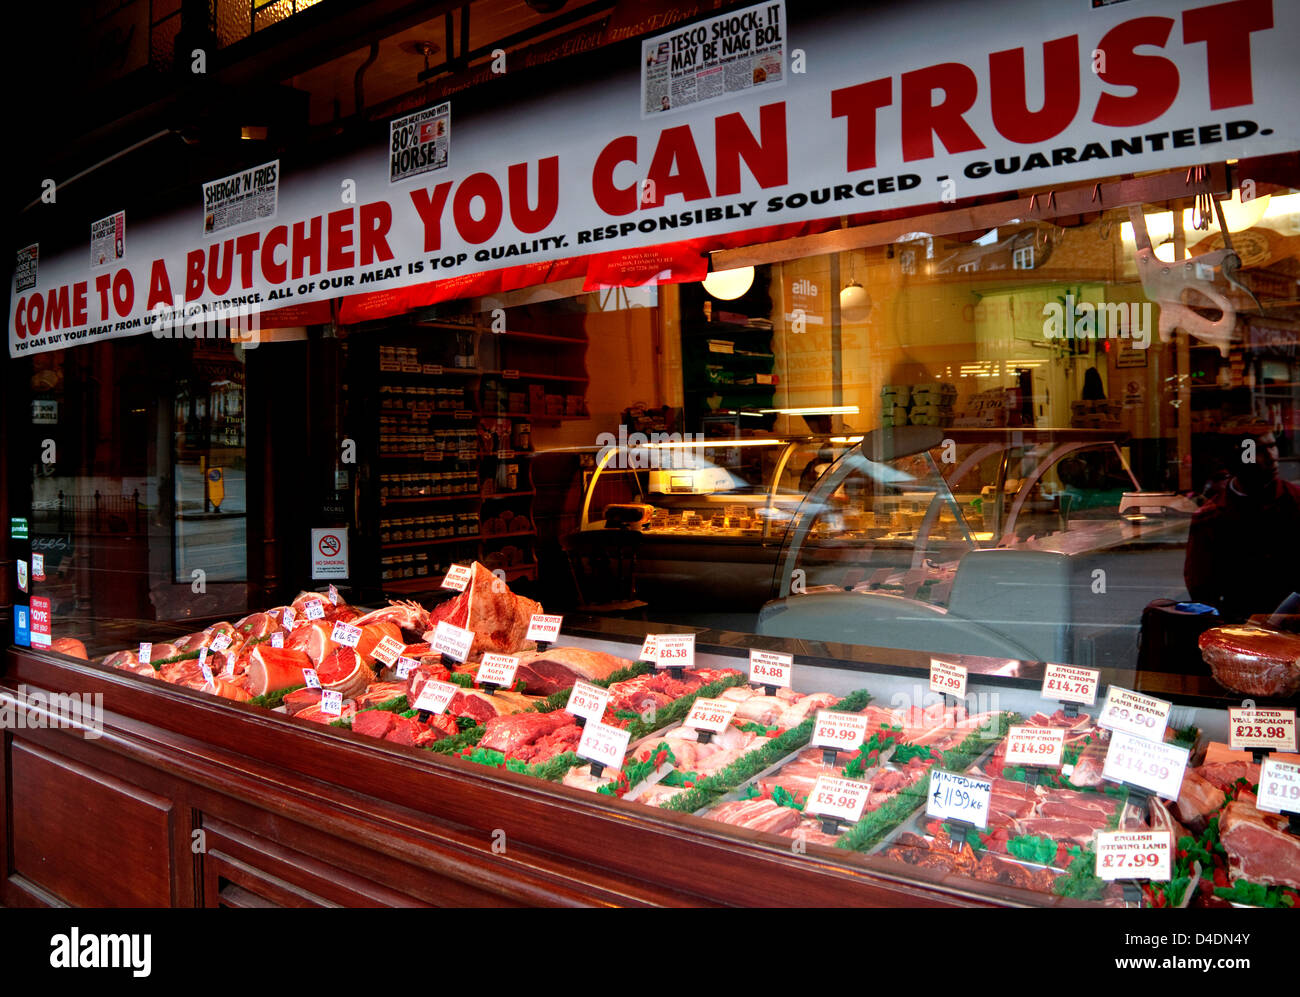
point(1253, 661)
point(1259, 848)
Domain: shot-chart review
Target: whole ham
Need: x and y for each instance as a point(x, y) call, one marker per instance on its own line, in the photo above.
point(1252, 660)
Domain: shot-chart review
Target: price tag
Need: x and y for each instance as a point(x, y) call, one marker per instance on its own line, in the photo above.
point(1151, 765)
point(334, 596)
point(287, 617)
point(711, 714)
point(947, 678)
point(452, 641)
point(959, 797)
point(331, 702)
point(541, 627)
point(146, 652)
point(841, 731)
point(277, 639)
point(587, 700)
point(1071, 684)
point(457, 578)
point(603, 744)
point(1130, 711)
point(510, 375)
point(648, 649)
point(1279, 787)
point(675, 650)
point(203, 656)
point(346, 634)
point(1134, 855)
point(832, 796)
point(405, 666)
point(220, 642)
point(309, 677)
point(434, 696)
point(770, 668)
point(314, 610)
point(388, 650)
point(207, 675)
point(229, 670)
point(1271, 730)
point(498, 669)
point(38, 567)
point(1040, 746)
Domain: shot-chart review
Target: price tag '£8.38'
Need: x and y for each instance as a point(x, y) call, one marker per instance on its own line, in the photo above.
point(675, 650)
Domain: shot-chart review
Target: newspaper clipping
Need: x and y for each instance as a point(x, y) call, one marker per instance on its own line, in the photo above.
point(250, 195)
point(108, 240)
point(714, 59)
point(25, 268)
point(419, 142)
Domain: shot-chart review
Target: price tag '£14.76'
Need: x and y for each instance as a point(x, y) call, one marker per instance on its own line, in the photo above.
point(457, 578)
point(587, 700)
point(710, 714)
point(675, 650)
point(1039, 746)
point(770, 668)
point(1267, 729)
point(959, 797)
point(1134, 713)
point(1071, 684)
point(453, 641)
point(603, 744)
point(841, 731)
point(1279, 787)
point(346, 634)
point(434, 695)
point(543, 627)
point(1134, 855)
point(832, 796)
point(947, 678)
point(1151, 765)
point(498, 670)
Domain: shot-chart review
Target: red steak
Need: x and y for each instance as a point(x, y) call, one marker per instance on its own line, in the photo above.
point(1259, 848)
point(511, 733)
point(1252, 660)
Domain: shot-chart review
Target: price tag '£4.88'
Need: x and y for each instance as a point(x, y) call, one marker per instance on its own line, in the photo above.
point(453, 641)
point(1134, 713)
point(959, 797)
point(1152, 765)
point(603, 744)
point(1279, 787)
point(832, 796)
point(1269, 729)
point(1071, 684)
point(947, 678)
point(710, 714)
point(1134, 855)
point(770, 668)
point(841, 731)
point(675, 650)
point(1040, 746)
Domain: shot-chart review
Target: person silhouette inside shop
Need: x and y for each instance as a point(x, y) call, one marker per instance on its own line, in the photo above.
point(1243, 551)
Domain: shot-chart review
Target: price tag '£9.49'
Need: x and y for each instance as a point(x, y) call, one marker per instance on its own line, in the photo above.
point(1040, 746)
point(603, 744)
point(331, 702)
point(453, 641)
point(832, 796)
point(388, 650)
point(959, 797)
point(1269, 729)
point(1071, 684)
point(1134, 713)
point(457, 578)
point(770, 668)
point(498, 670)
point(948, 678)
point(587, 700)
point(346, 634)
point(1279, 787)
point(543, 627)
point(675, 650)
point(842, 731)
point(1134, 855)
point(1151, 765)
point(710, 714)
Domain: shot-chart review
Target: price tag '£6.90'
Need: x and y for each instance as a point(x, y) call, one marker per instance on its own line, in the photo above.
point(603, 744)
point(1071, 684)
point(498, 670)
point(1134, 713)
point(544, 628)
point(1134, 855)
point(770, 668)
point(1279, 787)
point(675, 651)
point(947, 678)
point(1037, 746)
point(453, 641)
point(1151, 765)
point(954, 796)
point(1265, 729)
point(710, 714)
point(832, 796)
point(841, 731)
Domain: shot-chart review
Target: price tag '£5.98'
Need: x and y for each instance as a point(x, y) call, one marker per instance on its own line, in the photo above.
point(457, 578)
point(832, 796)
point(1134, 713)
point(1071, 684)
point(543, 627)
point(842, 731)
point(1134, 855)
point(947, 678)
point(675, 650)
point(770, 668)
point(434, 695)
point(959, 797)
point(1269, 729)
point(710, 714)
point(587, 700)
point(498, 670)
point(1152, 765)
point(603, 744)
point(1040, 746)
point(1279, 787)
point(453, 641)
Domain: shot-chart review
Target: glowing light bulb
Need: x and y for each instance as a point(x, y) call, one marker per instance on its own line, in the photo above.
point(729, 284)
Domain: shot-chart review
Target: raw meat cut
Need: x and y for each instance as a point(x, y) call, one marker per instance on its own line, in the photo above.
point(547, 672)
point(498, 617)
point(1259, 848)
point(509, 734)
point(758, 815)
point(272, 668)
point(1252, 660)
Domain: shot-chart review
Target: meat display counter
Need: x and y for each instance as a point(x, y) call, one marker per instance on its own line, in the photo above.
point(205, 795)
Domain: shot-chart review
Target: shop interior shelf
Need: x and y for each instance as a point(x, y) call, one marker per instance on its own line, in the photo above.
point(403, 544)
point(506, 495)
point(503, 536)
point(465, 497)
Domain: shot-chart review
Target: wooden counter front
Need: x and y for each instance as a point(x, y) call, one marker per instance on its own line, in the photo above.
point(187, 800)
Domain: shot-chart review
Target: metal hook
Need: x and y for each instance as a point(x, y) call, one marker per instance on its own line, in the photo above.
point(1096, 191)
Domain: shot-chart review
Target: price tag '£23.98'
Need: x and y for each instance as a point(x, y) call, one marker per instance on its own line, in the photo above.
point(947, 678)
point(770, 668)
point(1279, 787)
point(1134, 713)
point(959, 797)
point(603, 744)
point(842, 731)
point(453, 641)
point(675, 650)
point(1039, 746)
point(1152, 765)
point(1267, 729)
point(832, 796)
point(1134, 855)
point(1071, 684)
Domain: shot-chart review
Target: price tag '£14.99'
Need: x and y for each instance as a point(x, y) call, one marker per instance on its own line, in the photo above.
point(770, 668)
point(587, 700)
point(1134, 713)
point(498, 670)
point(1151, 765)
point(710, 714)
point(543, 627)
point(832, 796)
point(1039, 746)
point(841, 731)
point(959, 797)
point(1267, 729)
point(675, 650)
point(1134, 855)
point(1071, 684)
point(947, 678)
point(603, 744)
point(1279, 787)
point(453, 641)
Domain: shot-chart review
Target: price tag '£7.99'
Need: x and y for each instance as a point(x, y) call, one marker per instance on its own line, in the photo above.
point(841, 731)
point(603, 744)
point(1267, 729)
point(1152, 765)
point(453, 641)
point(587, 700)
point(675, 650)
point(954, 796)
point(832, 796)
point(1279, 787)
point(1040, 746)
point(1134, 855)
point(1071, 684)
point(770, 668)
point(1134, 713)
point(710, 714)
point(947, 678)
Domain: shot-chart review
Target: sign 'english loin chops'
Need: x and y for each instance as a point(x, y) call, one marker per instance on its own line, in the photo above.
point(886, 110)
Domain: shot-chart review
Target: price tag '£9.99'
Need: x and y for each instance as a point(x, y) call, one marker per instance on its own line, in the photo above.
point(1071, 684)
point(1279, 787)
point(1268, 729)
point(1134, 855)
point(457, 578)
point(841, 731)
point(587, 700)
point(959, 797)
point(1134, 713)
point(832, 796)
point(1152, 765)
point(453, 641)
point(947, 678)
point(603, 744)
point(1040, 746)
point(770, 668)
point(675, 650)
point(710, 714)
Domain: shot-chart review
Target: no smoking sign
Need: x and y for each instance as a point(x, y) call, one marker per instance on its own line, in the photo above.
point(329, 553)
